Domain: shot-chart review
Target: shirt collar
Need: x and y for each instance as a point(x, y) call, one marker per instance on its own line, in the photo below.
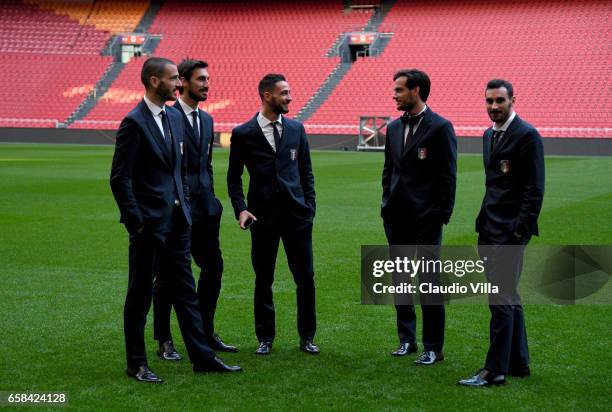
point(155, 109)
point(505, 125)
point(264, 121)
point(422, 111)
point(186, 108)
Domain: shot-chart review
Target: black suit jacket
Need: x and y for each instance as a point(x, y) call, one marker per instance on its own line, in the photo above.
point(146, 177)
point(199, 166)
point(287, 172)
point(514, 182)
point(420, 180)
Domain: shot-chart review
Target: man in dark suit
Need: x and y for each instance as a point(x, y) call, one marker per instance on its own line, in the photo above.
point(419, 179)
point(514, 169)
point(148, 180)
point(205, 212)
point(281, 205)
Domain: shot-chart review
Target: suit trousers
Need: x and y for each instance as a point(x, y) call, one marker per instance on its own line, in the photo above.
point(206, 252)
point(426, 237)
point(164, 255)
point(508, 349)
point(296, 234)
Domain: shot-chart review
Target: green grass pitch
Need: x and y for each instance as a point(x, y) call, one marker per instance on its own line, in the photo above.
point(63, 270)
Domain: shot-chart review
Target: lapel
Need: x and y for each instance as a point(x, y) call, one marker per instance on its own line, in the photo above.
point(395, 137)
point(205, 137)
point(154, 131)
point(506, 138)
point(176, 145)
point(258, 133)
point(486, 145)
point(420, 132)
point(284, 136)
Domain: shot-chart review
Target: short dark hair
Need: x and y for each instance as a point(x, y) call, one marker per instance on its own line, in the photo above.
point(153, 66)
point(187, 66)
point(497, 83)
point(415, 78)
point(268, 82)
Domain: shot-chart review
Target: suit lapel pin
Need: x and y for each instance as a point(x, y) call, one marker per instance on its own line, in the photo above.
point(504, 165)
point(293, 154)
point(422, 153)
point(181, 145)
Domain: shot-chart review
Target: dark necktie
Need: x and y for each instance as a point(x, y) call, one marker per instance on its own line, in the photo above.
point(496, 135)
point(196, 129)
point(411, 121)
point(166, 127)
point(277, 137)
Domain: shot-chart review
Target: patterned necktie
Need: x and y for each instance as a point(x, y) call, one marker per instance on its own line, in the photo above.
point(277, 137)
point(196, 129)
point(496, 135)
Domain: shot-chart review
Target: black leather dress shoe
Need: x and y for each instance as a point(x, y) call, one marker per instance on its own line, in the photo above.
point(143, 374)
point(167, 351)
point(429, 357)
point(405, 348)
point(215, 364)
point(264, 348)
point(218, 345)
point(520, 372)
point(309, 347)
point(483, 378)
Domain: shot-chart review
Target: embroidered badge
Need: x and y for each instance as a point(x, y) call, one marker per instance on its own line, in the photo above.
point(422, 153)
point(504, 166)
point(293, 154)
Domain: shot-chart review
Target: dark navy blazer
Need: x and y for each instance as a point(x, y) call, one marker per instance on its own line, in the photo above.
point(514, 182)
point(288, 171)
point(146, 176)
point(199, 166)
point(419, 182)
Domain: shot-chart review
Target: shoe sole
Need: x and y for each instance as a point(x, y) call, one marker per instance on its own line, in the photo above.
point(428, 364)
point(168, 359)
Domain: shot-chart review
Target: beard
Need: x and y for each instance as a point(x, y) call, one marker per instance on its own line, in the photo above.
point(279, 109)
point(166, 93)
point(196, 97)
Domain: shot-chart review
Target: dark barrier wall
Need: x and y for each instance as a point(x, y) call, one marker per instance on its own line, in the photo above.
point(552, 146)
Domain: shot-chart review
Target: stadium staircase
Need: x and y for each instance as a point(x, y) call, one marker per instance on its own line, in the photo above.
point(99, 90)
point(343, 67)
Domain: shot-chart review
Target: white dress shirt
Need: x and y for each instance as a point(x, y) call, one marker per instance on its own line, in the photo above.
point(416, 126)
point(268, 129)
point(187, 109)
point(156, 110)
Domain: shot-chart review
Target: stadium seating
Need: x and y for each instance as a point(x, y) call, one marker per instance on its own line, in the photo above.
point(25, 28)
point(241, 42)
point(111, 15)
point(41, 89)
point(556, 54)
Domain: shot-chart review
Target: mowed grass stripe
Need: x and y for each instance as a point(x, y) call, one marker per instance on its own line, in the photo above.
point(63, 262)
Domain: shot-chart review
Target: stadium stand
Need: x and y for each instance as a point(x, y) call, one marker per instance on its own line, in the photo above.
point(25, 28)
point(557, 54)
point(112, 16)
point(241, 42)
point(54, 85)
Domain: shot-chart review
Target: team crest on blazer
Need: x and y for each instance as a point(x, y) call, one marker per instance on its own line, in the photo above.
point(504, 166)
point(293, 154)
point(422, 153)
